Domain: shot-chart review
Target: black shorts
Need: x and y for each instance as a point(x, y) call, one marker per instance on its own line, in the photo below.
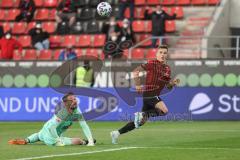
point(150, 102)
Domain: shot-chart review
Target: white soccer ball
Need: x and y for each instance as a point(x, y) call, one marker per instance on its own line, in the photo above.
point(104, 9)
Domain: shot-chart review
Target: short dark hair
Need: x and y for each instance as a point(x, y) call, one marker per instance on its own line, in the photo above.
point(163, 46)
point(64, 98)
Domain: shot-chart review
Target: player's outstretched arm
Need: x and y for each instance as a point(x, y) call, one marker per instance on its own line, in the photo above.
point(137, 78)
point(173, 83)
point(87, 132)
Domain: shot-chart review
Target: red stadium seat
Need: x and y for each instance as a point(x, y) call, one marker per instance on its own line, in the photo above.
point(79, 53)
point(137, 53)
point(2, 14)
point(99, 40)
point(38, 3)
point(25, 41)
point(6, 26)
point(183, 2)
point(42, 14)
point(19, 28)
point(178, 10)
point(170, 26)
point(213, 2)
point(147, 42)
point(148, 26)
point(52, 14)
point(30, 26)
point(56, 54)
point(17, 56)
point(45, 55)
point(198, 2)
point(69, 40)
point(168, 2)
point(153, 2)
point(139, 12)
point(84, 41)
point(50, 27)
point(140, 2)
point(55, 41)
point(92, 53)
point(30, 55)
point(151, 53)
point(7, 3)
point(50, 3)
point(138, 26)
point(11, 14)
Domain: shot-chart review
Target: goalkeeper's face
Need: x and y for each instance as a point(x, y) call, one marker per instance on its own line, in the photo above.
point(71, 101)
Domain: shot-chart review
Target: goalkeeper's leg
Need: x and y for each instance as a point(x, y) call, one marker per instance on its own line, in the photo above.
point(65, 141)
point(31, 139)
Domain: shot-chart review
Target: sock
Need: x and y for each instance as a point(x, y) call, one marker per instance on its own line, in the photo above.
point(153, 113)
point(128, 127)
point(86, 130)
point(32, 138)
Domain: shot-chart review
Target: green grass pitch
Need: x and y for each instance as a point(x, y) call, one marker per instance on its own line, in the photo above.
point(155, 140)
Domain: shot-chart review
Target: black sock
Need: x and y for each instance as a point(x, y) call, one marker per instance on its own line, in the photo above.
point(128, 127)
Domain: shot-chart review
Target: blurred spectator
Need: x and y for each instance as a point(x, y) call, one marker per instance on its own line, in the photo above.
point(67, 11)
point(126, 31)
point(158, 18)
point(84, 75)
point(110, 27)
point(123, 4)
point(39, 37)
point(67, 54)
point(1, 31)
point(27, 8)
point(62, 28)
point(114, 52)
point(8, 44)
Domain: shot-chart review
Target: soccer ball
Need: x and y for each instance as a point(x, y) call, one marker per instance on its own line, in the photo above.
point(104, 9)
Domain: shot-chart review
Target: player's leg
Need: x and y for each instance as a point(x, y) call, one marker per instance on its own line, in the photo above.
point(65, 141)
point(31, 139)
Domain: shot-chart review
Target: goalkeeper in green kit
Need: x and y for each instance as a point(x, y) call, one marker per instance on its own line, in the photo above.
point(52, 132)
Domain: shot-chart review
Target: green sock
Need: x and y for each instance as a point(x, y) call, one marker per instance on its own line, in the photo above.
point(33, 138)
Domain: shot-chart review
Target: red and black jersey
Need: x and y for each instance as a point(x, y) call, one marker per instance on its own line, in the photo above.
point(158, 75)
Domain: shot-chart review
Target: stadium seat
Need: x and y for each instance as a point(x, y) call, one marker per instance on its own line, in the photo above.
point(50, 3)
point(55, 41)
point(30, 55)
point(93, 27)
point(45, 55)
point(92, 53)
point(138, 26)
point(56, 54)
point(183, 2)
point(137, 53)
point(50, 27)
point(213, 2)
point(7, 3)
point(168, 2)
point(52, 14)
point(94, 3)
point(25, 41)
point(178, 10)
point(42, 14)
point(17, 56)
point(19, 28)
point(198, 2)
point(147, 43)
point(170, 26)
point(148, 26)
point(6, 26)
point(80, 53)
point(140, 2)
point(153, 2)
point(2, 15)
point(139, 12)
point(83, 3)
point(87, 14)
point(38, 3)
point(99, 40)
point(11, 14)
point(151, 53)
point(69, 40)
point(30, 26)
point(84, 41)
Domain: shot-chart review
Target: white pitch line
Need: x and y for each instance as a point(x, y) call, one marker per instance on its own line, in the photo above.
point(74, 154)
point(193, 148)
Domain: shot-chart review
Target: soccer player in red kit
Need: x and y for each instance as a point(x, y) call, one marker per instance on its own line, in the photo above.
point(158, 76)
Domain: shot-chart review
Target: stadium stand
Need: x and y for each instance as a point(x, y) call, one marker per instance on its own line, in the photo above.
point(192, 17)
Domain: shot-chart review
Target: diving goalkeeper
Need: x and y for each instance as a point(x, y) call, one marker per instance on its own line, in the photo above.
point(52, 132)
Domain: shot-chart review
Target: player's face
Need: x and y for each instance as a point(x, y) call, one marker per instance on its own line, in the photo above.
point(72, 100)
point(162, 54)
